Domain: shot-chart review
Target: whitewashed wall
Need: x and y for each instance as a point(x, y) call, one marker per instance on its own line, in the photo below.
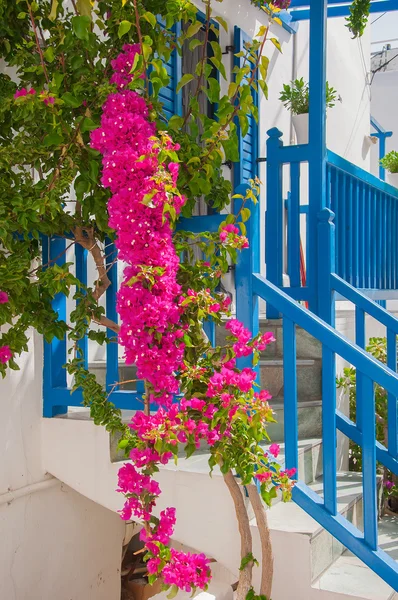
point(384, 110)
point(54, 543)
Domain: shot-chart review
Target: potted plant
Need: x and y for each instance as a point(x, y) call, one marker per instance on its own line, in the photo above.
point(295, 97)
point(390, 164)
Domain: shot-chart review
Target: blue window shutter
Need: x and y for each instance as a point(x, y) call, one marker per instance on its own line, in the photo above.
point(172, 102)
point(247, 167)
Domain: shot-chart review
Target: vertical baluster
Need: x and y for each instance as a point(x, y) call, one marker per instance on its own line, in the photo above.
point(355, 232)
point(379, 234)
point(54, 375)
point(274, 219)
point(373, 238)
point(368, 459)
point(290, 393)
point(360, 340)
point(343, 230)
point(361, 227)
point(368, 240)
point(350, 229)
point(389, 249)
point(383, 209)
point(394, 243)
point(329, 436)
point(336, 208)
point(81, 274)
point(112, 359)
point(294, 226)
point(392, 413)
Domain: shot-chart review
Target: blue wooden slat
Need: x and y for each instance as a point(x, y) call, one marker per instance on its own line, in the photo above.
point(368, 427)
point(112, 360)
point(274, 218)
point(293, 220)
point(392, 412)
point(290, 394)
point(247, 167)
point(81, 255)
point(55, 353)
point(329, 437)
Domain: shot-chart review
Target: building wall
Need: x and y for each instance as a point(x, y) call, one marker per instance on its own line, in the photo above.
point(54, 543)
point(384, 110)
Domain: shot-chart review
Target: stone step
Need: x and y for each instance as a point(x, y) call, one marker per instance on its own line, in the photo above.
point(309, 420)
point(324, 549)
point(348, 578)
point(309, 378)
point(307, 347)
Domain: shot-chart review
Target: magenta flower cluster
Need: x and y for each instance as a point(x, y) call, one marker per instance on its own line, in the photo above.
point(141, 186)
point(5, 351)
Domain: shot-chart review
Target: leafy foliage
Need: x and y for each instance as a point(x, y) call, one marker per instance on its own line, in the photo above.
point(390, 162)
point(295, 97)
point(359, 15)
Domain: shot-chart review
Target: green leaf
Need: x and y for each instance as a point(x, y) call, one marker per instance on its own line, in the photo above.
point(124, 28)
point(49, 54)
point(175, 123)
point(88, 125)
point(276, 44)
point(21, 15)
point(222, 22)
point(81, 26)
point(71, 100)
point(84, 7)
point(53, 139)
point(193, 29)
point(213, 90)
point(150, 17)
point(195, 43)
point(245, 214)
point(53, 13)
point(173, 592)
point(184, 80)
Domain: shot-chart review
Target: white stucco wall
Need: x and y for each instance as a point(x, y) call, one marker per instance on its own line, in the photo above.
point(384, 110)
point(54, 543)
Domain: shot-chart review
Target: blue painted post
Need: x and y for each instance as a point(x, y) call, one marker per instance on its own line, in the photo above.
point(392, 412)
point(112, 358)
point(326, 249)
point(360, 340)
point(248, 263)
point(293, 217)
point(317, 143)
point(325, 232)
point(54, 375)
point(274, 220)
point(81, 274)
point(290, 394)
point(369, 460)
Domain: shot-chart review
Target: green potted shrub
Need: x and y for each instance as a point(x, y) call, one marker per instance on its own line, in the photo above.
point(390, 164)
point(295, 97)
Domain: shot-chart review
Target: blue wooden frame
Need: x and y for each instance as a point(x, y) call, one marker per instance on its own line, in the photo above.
point(300, 11)
point(382, 135)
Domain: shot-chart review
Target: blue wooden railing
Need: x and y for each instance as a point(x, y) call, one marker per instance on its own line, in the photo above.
point(344, 181)
point(366, 219)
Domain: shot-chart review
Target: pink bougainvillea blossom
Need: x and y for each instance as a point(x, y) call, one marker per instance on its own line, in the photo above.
point(24, 92)
point(5, 354)
point(3, 297)
point(274, 450)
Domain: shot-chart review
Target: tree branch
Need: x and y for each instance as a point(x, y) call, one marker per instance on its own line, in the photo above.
point(267, 559)
point(246, 543)
point(85, 237)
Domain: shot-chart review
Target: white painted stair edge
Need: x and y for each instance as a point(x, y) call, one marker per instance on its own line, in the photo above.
point(77, 452)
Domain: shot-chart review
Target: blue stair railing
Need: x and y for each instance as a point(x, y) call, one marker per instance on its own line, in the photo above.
point(369, 371)
point(366, 220)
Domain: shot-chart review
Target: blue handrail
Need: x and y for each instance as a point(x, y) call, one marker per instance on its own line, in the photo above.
point(369, 371)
